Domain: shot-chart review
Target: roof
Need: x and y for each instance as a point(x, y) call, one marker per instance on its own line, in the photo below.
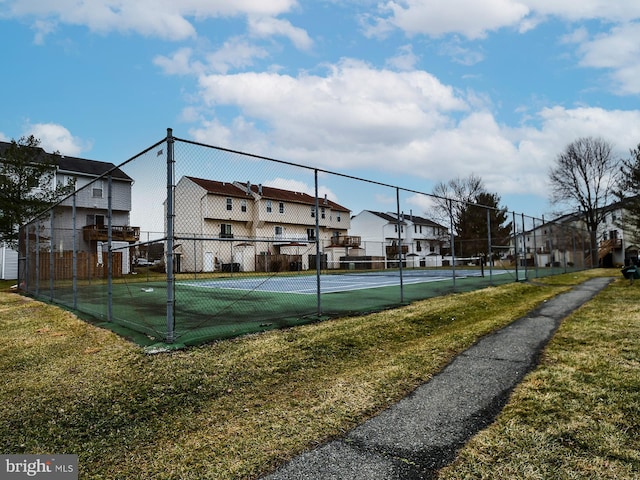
point(414, 219)
point(239, 189)
point(423, 221)
point(386, 216)
point(74, 165)
point(220, 188)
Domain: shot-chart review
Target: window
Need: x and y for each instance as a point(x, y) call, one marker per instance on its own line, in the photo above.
point(338, 217)
point(278, 231)
point(418, 246)
point(97, 220)
point(311, 233)
point(96, 190)
point(281, 207)
point(225, 231)
point(322, 212)
point(269, 206)
point(229, 204)
point(313, 212)
point(243, 205)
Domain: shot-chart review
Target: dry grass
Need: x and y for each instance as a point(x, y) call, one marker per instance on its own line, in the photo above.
point(232, 409)
point(577, 415)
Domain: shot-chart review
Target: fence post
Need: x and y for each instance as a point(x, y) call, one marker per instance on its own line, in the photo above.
point(317, 226)
point(37, 289)
point(515, 242)
point(573, 243)
point(489, 247)
point(109, 251)
point(52, 246)
point(452, 241)
point(27, 257)
point(74, 266)
point(524, 248)
point(535, 246)
point(552, 255)
point(399, 244)
point(170, 240)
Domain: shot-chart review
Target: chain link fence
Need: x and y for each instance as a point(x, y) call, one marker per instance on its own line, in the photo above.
point(186, 243)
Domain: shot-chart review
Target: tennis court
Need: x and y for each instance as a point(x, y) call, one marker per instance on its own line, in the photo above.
point(213, 308)
point(331, 283)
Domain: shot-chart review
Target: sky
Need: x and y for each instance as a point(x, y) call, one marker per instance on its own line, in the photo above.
point(405, 92)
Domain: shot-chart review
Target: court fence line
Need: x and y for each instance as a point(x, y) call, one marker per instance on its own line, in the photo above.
point(166, 284)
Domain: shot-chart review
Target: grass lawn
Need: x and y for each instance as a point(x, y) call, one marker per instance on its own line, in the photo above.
point(237, 408)
point(578, 414)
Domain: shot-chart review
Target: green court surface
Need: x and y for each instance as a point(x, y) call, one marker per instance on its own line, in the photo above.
point(207, 309)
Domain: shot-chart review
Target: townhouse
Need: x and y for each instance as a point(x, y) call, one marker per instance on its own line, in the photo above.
point(240, 226)
point(412, 239)
point(80, 221)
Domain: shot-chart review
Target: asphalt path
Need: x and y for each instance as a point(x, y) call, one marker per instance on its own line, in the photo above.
point(422, 433)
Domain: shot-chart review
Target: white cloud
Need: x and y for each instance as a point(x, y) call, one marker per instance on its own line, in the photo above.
point(617, 51)
point(178, 63)
point(401, 123)
point(608, 10)
point(236, 53)
point(404, 60)
point(461, 54)
point(269, 27)
point(354, 105)
point(471, 18)
point(55, 137)
point(159, 18)
point(475, 18)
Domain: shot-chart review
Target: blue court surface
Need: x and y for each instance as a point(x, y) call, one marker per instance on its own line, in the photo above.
point(308, 284)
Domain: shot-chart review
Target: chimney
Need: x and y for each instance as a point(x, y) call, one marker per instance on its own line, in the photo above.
point(259, 189)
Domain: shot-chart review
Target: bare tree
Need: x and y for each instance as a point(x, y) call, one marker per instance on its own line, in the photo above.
point(451, 198)
point(463, 202)
point(584, 179)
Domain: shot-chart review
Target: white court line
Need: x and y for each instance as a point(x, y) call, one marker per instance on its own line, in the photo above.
point(328, 284)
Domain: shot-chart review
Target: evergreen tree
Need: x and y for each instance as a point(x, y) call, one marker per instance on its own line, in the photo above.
point(464, 202)
point(473, 228)
point(27, 176)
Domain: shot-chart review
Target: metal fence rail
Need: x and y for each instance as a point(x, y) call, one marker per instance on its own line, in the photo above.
point(231, 243)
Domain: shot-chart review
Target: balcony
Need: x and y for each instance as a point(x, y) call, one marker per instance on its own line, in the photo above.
point(611, 244)
point(608, 246)
point(392, 250)
point(345, 241)
point(119, 233)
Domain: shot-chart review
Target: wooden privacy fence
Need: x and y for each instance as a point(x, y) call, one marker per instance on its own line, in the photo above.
point(87, 266)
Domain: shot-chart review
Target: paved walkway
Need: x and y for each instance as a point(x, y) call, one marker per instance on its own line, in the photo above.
point(423, 432)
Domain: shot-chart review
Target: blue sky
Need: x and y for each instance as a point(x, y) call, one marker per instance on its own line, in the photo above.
point(409, 92)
